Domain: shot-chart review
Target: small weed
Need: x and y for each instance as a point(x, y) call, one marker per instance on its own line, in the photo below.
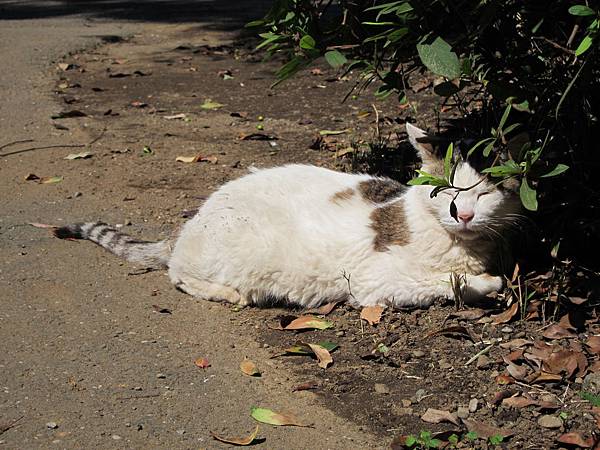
point(593, 399)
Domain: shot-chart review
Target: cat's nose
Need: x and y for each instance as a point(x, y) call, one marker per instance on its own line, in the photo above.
point(466, 216)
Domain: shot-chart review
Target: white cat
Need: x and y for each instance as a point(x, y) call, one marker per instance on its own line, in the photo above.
point(307, 235)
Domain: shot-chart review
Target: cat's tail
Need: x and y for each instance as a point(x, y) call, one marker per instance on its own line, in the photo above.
point(148, 254)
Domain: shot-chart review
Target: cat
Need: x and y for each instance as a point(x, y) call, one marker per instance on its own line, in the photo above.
point(306, 235)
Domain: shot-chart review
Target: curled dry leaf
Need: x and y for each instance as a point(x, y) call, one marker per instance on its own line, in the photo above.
point(50, 180)
point(82, 155)
point(322, 355)
point(197, 158)
point(561, 361)
point(209, 104)
point(265, 415)
point(504, 379)
point(301, 348)
point(575, 438)
point(308, 323)
point(249, 368)
point(372, 314)
point(518, 402)
point(469, 314)
point(237, 441)
point(593, 344)
point(506, 316)
point(161, 310)
point(437, 415)
point(68, 114)
point(309, 385)
point(516, 343)
point(543, 377)
point(202, 363)
point(454, 331)
point(484, 430)
point(324, 309)
point(501, 395)
point(555, 331)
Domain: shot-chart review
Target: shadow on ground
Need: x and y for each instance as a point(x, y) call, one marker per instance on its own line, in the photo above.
point(224, 15)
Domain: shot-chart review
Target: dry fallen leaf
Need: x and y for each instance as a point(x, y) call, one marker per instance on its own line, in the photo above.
point(504, 379)
point(561, 361)
point(249, 368)
point(372, 314)
point(454, 331)
point(265, 415)
point(308, 323)
point(257, 137)
point(516, 343)
point(484, 430)
point(575, 438)
point(555, 331)
point(593, 344)
point(175, 116)
point(202, 363)
point(506, 316)
point(82, 155)
point(237, 441)
point(469, 314)
point(161, 310)
point(209, 104)
point(516, 371)
point(518, 402)
point(324, 309)
point(322, 355)
point(437, 416)
point(188, 159)
point(309, 385)
point(50, 180)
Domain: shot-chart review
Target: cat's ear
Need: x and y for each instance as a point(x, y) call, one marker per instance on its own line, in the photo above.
point(422, 142)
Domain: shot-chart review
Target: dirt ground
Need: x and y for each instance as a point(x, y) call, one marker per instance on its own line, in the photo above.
point(89, 361)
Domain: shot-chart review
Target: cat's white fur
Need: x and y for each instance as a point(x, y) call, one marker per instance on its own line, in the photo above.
point(277, 234)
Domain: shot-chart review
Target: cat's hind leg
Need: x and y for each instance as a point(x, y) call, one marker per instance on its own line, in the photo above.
point(211, 291)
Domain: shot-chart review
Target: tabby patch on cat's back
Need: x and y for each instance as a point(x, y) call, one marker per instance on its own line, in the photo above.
point(307, 235)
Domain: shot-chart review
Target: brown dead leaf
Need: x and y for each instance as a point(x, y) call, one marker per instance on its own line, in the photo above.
point(518, 402)
point(555, 331)
point(324, 309)
point(309, 385)
point(138, 104)
point(237, 441)
point(506, 316)
point(562, 361)
point(501, 395)
point(307, 322)
point(575, 438)
point(372, 314)
point(513, 356)
point(249, 368)
point(202, 363)
point(516, 371)
point(438, 416)
point(593, 344)
point(484, 430)
point(316, 71)
point(322, 355)
point(504, 379)
point(543, 377)
point(469, 314)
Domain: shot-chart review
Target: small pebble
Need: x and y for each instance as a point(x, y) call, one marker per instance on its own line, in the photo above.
point(444, 365)
point(77, 194)
point(406, 402)
point(483, 362)
point(507, 330)
point(116, 437)
point(52, 425)
point(418, 353)
point(381, 388)
point(340, 333)
point(462, 412)
point(266, 345)
point(473, 404)
point(161, 375)
point(548, 421)
point(180, 432)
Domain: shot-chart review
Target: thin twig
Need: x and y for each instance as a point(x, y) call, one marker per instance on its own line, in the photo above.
point(8, 426)
point(555, 45)
point(15, 142)
point(96, 139)
point(477, 355)
point(138, 396)
point(377, 122)
point(573, 34)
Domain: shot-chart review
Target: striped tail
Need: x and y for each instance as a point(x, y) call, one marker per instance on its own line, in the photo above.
point(148, 254)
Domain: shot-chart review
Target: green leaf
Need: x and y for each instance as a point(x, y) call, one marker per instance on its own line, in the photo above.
point(255, 23)
point(593, 399)
point(410, 440)
point(300, 348)
point(289, 69)
point(471, 436)
point(528, 196)
point(308, 322)
point(488, 148)
point(265, 415)
point(333, 132)
point(581, 10)
point(507, 169)
point(335, 59)
point(584, 45)
point(307, 42)
point(560, 168)
point(209, 104)
point(448, 161)
point(504, 117)
point(437, 55)
point(479, 144)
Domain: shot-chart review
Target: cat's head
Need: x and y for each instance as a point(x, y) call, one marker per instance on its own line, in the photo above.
point(481, 211)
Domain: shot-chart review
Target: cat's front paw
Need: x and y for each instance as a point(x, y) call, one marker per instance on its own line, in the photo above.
point(478, 286)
